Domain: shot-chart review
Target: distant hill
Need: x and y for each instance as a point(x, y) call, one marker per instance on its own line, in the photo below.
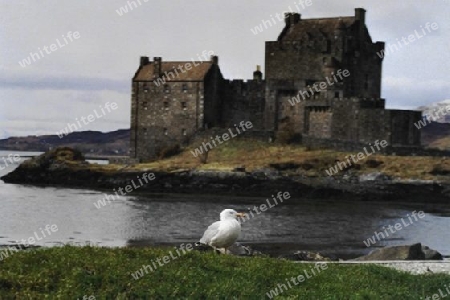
point(435, 135)
point(89, 142)
point(432, 109)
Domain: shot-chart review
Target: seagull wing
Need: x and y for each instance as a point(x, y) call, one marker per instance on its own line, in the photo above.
point(210, 233)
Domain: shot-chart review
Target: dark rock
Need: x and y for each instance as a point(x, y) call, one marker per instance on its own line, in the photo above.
point(373, 163)
point(411, 252)
point(431, 254)
point(239, 169)
point(306, 166)
point(441, 170)
point(285, 166)
point(305, 256)
point(236, 249)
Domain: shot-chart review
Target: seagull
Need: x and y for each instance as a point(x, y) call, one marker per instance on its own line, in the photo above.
point(223, 233)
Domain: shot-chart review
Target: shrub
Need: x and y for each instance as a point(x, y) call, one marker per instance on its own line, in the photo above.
point(373, 163)
point(203, 158)
point(440, 170)
point(169, 151)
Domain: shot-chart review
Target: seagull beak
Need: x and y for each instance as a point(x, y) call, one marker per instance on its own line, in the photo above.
point(242, 215)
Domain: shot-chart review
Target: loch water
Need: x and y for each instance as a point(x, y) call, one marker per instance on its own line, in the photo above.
point(332, 226)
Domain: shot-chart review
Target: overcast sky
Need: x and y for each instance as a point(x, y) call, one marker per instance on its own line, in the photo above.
point(83, 74)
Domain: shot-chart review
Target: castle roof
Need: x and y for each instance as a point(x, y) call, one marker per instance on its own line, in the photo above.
point(197, 72)
point(316, 28)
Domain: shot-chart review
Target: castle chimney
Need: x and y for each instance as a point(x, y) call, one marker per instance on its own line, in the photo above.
point(215, 59)
point(144, 61)
point(360, 15)
point(157, 61)
point(292, 19)
point(257, 75)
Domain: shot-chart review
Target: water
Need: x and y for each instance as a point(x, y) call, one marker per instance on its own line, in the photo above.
point(332, 226)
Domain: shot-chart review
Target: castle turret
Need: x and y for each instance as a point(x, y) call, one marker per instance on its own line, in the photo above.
point(291, 19)
point(144, 61)
point(258, 75)
point(360, 15)
point(157, 62)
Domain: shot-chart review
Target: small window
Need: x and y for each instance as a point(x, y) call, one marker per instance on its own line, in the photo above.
point(336, 95)
point(316, 95)
point(145, 90)
point(144, 104)
point(166, 132)
point(183, 105)
point(183, 131)
point(166, 105)
point(144, 130)
point(324, 60)
point(184, 88)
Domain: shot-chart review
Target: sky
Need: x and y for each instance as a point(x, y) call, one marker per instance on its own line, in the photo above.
point(96, 52)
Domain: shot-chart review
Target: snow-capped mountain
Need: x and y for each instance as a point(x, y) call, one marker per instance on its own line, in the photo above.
point(432, 111)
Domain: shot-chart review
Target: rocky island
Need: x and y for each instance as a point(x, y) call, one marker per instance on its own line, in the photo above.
point(249, 169)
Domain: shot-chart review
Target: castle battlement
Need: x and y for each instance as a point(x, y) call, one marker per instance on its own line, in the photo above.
point(171, 104)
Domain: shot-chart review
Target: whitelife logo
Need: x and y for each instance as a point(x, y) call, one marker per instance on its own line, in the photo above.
point(356, 158)
point(172, 75)
point(130, 6)
point(433, 117)
point(393, 229)
point(35, 56)
point(266, 24)
point(25, 243)
point(320, 86)
point(146, 177)
point(263, 207)
point(72, 127)
point(281, 287)
point(391, 48)
point(162, 261)
point(243, 126)
point(10, 160)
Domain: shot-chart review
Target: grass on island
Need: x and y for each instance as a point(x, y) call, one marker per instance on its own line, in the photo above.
point(256, 155)
point(291, 159)
point(74, 272)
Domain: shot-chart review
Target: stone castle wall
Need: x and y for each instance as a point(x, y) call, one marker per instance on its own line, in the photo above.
point(346, 114)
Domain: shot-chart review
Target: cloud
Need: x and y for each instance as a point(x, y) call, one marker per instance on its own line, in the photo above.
point(98, 67)
point(64, 83)
point(416, 92)
point(36, 112)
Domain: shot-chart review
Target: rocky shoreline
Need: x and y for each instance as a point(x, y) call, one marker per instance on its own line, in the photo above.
point(71, 170)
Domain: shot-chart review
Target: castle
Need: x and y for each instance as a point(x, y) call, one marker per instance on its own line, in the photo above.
point(322, 84)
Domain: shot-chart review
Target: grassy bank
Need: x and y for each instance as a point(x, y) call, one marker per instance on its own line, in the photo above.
point(71, 273)
point(257, 155)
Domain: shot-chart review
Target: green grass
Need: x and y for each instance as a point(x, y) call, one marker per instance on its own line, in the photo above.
point(71, 273)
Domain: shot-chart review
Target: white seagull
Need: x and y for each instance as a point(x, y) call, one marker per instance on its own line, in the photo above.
point(223, 233)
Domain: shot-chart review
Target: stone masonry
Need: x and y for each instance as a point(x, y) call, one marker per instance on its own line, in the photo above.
point(304, 91)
